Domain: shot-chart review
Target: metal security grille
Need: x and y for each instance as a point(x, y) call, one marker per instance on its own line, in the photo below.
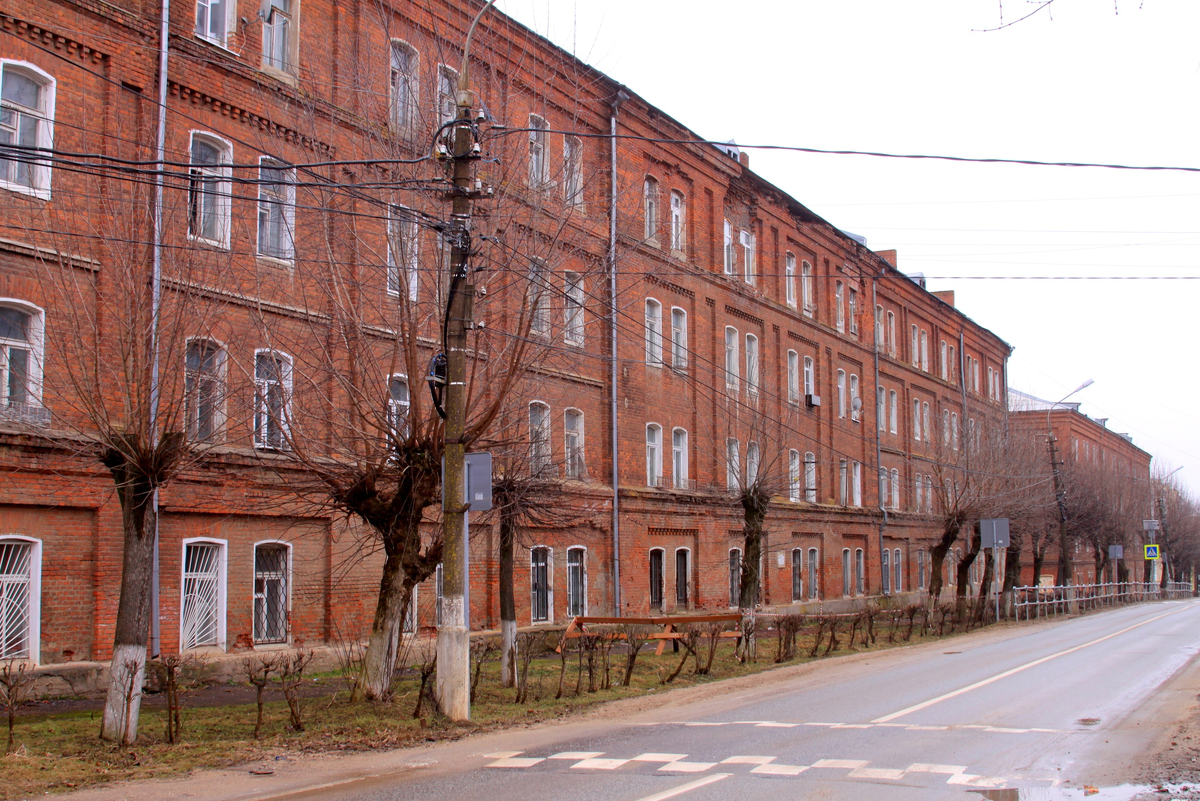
point(656, 579)
point(540, 580)
point(575, 581)
point(201, 584)
point(14, 600)
point(270, 594)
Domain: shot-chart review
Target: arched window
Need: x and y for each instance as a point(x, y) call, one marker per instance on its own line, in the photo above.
point(813, 564)
point(204, 390)
point(404, 253)
point(915, 347)
point(794, 476)
point(539, 299)
point(26, 121)
point(539, 439)
point(277, 210)
point(893, 402)
point(272, 399)
point(954, 430)
point(679, 459)
point(653, 455)
point(540, 592)
point(847, 574)
point(573, 170)
point(925, 421)
point(22, 341)
point(683, 572)
point(657, 557)
point(650, 207)
point(654, 346)
point(895, 488)
point(405, 87)
point(924, 351)
point(885, 571)
point(573, 308)
point(573, 445)
point(20, 598)
point(891, 333)
point(841, 391)
point(810, 477)
point(678, 212)
point(916, 420)
point(789, 279)
point(209, 189)
point(397, 406)
point(679, 339)
point(576, 581)
point(797, 574)
point(859, 572)
point(806, 287)
point(793, 376)
point(735, 576)
point(733, 463)
point(752, 463)
point(731, 359)
point(898, 568)
point(810, 379)
point(539, 156)
point(752, 364)
point(202, 618)
point(272, 601)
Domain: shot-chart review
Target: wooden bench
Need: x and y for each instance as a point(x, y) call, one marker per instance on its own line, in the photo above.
point(670, 624)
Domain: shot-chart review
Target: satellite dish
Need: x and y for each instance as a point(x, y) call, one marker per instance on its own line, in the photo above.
point(856, 404)
point(264, 9)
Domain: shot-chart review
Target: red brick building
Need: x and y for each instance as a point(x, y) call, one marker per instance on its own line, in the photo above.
point(1095, 460)
point(750, 334)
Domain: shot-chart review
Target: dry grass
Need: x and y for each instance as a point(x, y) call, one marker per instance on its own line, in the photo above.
point(61, 751)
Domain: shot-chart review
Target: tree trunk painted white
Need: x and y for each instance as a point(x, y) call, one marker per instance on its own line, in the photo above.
point(508, 653)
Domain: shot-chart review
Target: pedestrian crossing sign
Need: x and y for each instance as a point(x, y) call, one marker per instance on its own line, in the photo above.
point(1151, 551)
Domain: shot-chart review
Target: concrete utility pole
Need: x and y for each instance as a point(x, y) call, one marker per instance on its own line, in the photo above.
point(454, 635)
point(1166, 538)
point(1064, 554)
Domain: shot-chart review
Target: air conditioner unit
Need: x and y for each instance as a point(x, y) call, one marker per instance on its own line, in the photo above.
point(812, 401)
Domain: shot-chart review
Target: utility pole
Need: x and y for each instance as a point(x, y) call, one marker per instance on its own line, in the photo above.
point(1060, 497)
point(454, 635)
point(1166, 538)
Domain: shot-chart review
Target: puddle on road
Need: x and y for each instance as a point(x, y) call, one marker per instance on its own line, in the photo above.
point(1122, 792)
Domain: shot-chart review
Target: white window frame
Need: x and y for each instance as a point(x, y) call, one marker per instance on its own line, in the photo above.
point(810, 376)
point(732, 369)
point(857, 476)
point(789, 279)
point(404, 98)
point(583, 579)
point(843, 482)
point(847, 573)
point(749, 243)
point(33, 594)
point(752, 364)
point(222, 591)
point(919, 493)
point(925, 424)
point(191, 399)
point(885, 570)
point(654, 455)
point(793, 376)
point(573, 309)
point(404, 252)
point(860, 572)
point(662, 575)
point(915, 347)
point(730, 258)
point(806, 288)
point(538, 298)
point(288, 22)
point(447, 95)
point(916, 419)
point(650, 208)
point(798, 574)
point(794, 476)
point(574, 463)
point(855, 414)
point(679, 338)
point(549, 619)
point(221, 176)
point(653, 333)
point(814, 573)
point(204, 18)
point(267, 199)
point(839, 299)
point(753, 462)
point(810, 477)
point(881, 408)
point(680, 469)
point(841, 392)
point(852, 309)
point(573, 170)
point(687, 578)
point(397, 411)
point(261, 415)
point(895, 504)
point(41, 172)
point(541, 454)
point(943, 357)
point(924, 351)
point(678, 222)
point(893, 412)
point(35, 344)
point(733, 463)
point(539, 152)
point(287, 590)
point(891, 334)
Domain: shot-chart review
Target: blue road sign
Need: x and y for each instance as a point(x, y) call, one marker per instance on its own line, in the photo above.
point(1151, 551)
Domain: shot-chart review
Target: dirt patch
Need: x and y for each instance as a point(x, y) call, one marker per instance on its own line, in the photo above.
point(1175, 772)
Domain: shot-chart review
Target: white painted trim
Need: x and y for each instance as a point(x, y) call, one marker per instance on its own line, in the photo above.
point(549, 584)
point(222, 587)
point(691, 601)
point(37, 344)
point(46, 137)
point(584, 564)
point(34, 644)
point(253, 577)
point(224, 186)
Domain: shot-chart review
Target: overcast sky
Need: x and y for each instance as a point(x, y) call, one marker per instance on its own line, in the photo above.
point(1091, 81)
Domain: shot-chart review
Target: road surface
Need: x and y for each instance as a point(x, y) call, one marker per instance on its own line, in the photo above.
point(1045, 705)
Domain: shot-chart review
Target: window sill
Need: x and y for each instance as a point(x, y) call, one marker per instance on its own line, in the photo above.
point(283, 76)
point(275, 261)
point(216, 244)
point(30, 191)
point(273, 646)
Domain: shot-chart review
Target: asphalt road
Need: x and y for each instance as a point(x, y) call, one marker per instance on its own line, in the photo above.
point(1042, 706)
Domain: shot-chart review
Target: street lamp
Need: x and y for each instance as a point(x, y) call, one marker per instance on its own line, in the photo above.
point(1064, 556)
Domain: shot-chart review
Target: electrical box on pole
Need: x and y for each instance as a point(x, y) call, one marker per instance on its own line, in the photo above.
point(479, 481)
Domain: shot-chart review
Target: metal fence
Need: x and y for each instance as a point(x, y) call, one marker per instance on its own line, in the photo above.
point(1030, 603)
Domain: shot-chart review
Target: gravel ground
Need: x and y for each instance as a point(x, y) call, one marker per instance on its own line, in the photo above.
point(1175, 773)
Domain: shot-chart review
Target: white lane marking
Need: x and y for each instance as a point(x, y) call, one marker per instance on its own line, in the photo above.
point(853, 726)
point(705, 723)
point(822, 724)
point(775, 769)
point(773, 725)
point(748, 760)
point(688, 767)
point(926, 728)
point(925, 767)
point(658, 757)
point(848, 764)
point(685, 788)
point(876, 773)
point(576, 755)
point(1002, 730)
point(599, 764)
point(502, 754)
point(515, 762)
point(1018, 669)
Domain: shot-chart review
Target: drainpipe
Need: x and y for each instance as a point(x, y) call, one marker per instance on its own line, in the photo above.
point(620, 99)
point(156, 299)
point(879, 471)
